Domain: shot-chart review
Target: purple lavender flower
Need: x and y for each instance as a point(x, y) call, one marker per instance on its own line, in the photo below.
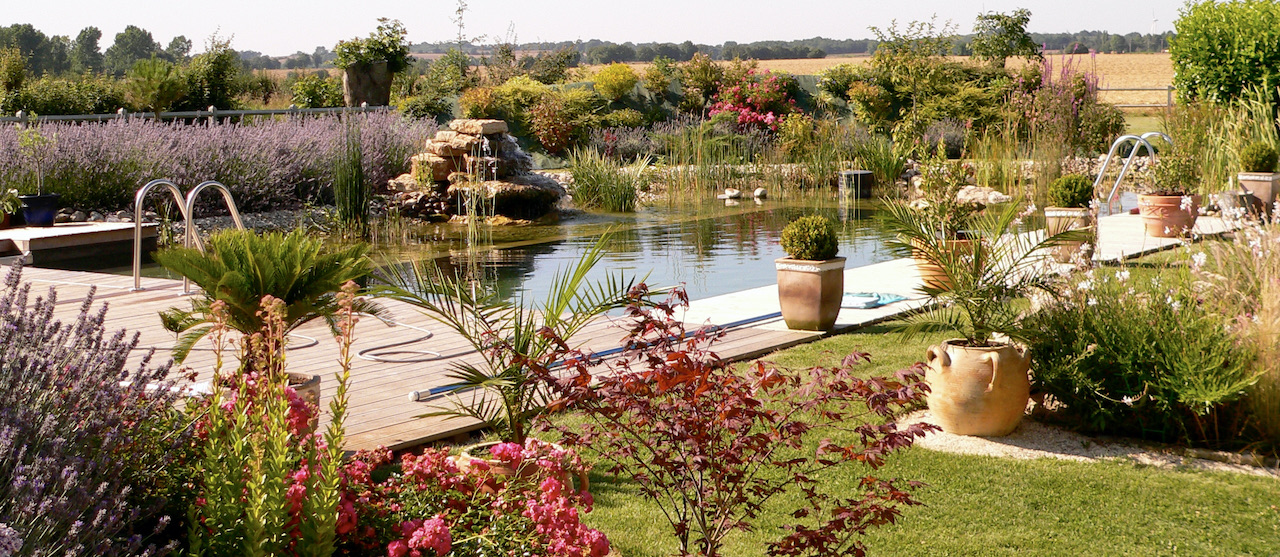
point(85, 447)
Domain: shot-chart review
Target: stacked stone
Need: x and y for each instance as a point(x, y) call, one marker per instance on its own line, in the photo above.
point(480, 149)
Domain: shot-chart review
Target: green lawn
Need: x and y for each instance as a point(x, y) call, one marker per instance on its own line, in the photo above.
point(991, 506)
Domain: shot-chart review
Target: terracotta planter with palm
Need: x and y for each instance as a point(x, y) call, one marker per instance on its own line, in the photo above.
point(979, 383)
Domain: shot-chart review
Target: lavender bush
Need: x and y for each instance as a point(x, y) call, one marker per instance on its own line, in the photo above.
point(87, 452)
point(268, 164)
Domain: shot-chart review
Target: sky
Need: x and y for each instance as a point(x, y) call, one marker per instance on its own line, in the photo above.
point(280, 28)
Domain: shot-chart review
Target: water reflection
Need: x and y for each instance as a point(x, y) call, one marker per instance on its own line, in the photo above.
point(711, 249)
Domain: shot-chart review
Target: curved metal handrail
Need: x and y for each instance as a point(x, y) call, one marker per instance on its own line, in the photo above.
point(193, 239)
point(1128, 161)
point(138, 198)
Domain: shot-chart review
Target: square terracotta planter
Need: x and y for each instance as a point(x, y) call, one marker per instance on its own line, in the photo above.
point(810, 292)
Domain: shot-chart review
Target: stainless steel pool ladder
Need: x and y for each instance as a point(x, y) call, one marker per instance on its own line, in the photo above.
point(1136, 140)
point(188, 206)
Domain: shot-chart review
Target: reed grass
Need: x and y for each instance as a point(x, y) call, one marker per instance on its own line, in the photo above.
point(601, 183)
point(351, 192)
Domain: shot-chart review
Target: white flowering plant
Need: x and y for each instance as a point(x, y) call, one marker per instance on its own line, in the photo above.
point(1140, 354)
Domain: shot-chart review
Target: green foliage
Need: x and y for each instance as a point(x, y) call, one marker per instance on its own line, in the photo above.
point(314, 91)
point(1223, 48)
point(701, 77)
point(212, 77)
point(625, 118)
point(131, 45)
point(450, 74)
point(561, 118)
point(999, 36)
point(50, 96)
point(1258, 157)
point(1176, 173)
point(1139, 358)
point(35, 148)
point(155, 84)
point(659, 75)
point(550, 67)
point(13, 69)
point(879, 155)
point(614, 81)
point(982, 278)
point(811, 238)
point(239, 267)
point(266, 485)
point(351, 191)
point(507, 335)
point(1072, 190)
point(386, 43)
point(427, 105)
point(601, 183)
point(836, 80)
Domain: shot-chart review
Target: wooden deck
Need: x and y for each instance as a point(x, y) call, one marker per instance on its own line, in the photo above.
point(381, 412)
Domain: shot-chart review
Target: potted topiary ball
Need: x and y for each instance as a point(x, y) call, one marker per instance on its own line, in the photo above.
point(1069, 200)
point(811, 277)
point(1259, 176)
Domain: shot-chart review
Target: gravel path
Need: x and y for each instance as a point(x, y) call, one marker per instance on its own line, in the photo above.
point(1033, 439)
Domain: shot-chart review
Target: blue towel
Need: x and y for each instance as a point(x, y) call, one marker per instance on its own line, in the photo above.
point(868, 300)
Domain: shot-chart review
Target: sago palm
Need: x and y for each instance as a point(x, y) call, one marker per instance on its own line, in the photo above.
point(239, 267)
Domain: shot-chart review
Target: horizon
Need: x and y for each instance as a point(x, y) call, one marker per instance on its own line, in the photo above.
point(280, 29)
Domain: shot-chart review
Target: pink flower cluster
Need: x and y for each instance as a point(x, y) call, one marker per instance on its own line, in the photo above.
point(433, 506)
point(760, 101)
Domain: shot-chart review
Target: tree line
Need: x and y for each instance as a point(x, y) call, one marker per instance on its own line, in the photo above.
point(60, 54)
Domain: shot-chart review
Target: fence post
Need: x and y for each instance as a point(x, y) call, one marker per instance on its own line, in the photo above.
point(22, 118)
point(1169, 103)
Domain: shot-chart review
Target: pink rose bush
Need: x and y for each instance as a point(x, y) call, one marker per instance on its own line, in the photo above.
point(430, 506)
point(759, 101)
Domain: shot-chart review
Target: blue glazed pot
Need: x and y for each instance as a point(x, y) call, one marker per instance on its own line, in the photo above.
point(39, 210)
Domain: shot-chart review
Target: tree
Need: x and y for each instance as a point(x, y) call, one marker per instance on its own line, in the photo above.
point(131, 45)
point(86, 55)
point(179, 48)
point(1000, 36)
point(33, 45)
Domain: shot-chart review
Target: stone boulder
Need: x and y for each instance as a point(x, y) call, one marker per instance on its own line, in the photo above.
point(527, 196)
point(478, 127)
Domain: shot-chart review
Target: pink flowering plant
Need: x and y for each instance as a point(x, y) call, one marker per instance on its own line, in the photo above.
point(267, 484)
point(518, 502)
point(759, 101)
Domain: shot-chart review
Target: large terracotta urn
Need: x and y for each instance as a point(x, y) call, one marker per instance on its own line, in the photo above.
point(977, 390)
point(1169, 216)
point(810, 292)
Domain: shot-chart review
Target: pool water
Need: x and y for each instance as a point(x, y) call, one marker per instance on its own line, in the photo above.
point(710, 249)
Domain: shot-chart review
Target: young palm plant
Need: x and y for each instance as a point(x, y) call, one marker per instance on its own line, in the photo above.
point(239, 267)
point(509, 336)
point(981, 281)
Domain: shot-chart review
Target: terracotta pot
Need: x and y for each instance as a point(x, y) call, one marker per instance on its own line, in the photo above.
point(1263, 186)
point(977, 390)
point(1166, 217)
point(480, 451)
point(1062, 219)
point(810, 292)
point(931, 274)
